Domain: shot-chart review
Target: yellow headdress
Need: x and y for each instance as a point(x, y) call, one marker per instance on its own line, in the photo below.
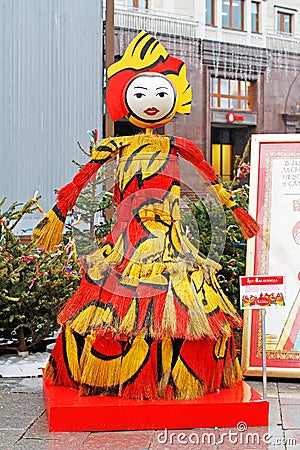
point(146, 54)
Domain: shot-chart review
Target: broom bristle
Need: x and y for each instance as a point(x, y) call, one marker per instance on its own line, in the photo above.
point(67, 197)
point(248, 225)
point(48, 232)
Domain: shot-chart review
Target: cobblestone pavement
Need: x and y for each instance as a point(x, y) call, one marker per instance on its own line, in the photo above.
point(24, 426)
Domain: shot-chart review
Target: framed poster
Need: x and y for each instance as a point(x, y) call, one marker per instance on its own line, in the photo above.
point(275, 203)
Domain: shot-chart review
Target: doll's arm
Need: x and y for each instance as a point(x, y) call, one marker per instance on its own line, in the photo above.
point(189, 151)
point(48, 232)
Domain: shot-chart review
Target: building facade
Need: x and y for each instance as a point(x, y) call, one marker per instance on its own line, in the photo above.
point(243, 60)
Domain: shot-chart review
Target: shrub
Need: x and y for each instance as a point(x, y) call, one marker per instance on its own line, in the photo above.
point(33, 285)
point(233, 258)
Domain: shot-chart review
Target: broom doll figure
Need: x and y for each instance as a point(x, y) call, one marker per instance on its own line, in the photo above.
point(149, 319)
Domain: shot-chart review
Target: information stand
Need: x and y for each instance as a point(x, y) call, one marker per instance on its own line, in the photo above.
point(262, 292)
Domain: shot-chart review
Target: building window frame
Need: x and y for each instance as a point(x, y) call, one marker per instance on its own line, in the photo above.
point(228, 10)
point(282, 18)
point(210, 12)
point(231, 94)
point(137, 4)
point(297, 107)
point(255, 17)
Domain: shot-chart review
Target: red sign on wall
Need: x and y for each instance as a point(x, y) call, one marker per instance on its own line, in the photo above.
point(231, 117)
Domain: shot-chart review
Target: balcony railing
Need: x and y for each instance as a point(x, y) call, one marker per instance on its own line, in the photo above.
point(155, 22)
point(184, 26)
point(283, 42)
point(268, 40)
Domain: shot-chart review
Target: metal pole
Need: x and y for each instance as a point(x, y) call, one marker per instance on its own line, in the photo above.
point(264, 352)
point(109, 55)
point(109, 59)
point(101, 69)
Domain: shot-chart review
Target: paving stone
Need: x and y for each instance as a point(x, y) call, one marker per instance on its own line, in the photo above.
point(274, 412)
point(276, 437)
point(277, 447)
point(10, 423)
point(21, 405)
point(292, 439)
point(290, 417)
point(289, 398)
point(47, 444)
point(9, 437)
point(289, 386)
point(29, 386)
point(40, 430)
point(4, 396)
point(248, 446)
point(257, 385)
point(29, 366)
point(128, 440)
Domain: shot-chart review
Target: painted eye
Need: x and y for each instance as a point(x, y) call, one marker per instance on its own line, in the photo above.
point(139, 95)
point(162, 94)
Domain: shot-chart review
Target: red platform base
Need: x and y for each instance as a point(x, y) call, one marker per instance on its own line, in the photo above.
point(69, 412)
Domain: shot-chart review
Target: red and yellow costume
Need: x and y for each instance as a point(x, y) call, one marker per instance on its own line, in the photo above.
point(149, 319)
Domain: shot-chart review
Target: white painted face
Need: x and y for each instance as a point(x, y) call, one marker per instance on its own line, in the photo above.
point(150, 98)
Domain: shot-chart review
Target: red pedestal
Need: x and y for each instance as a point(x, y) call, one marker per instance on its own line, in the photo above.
point(69, 412)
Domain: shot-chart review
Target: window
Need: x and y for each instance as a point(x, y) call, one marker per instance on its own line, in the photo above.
point(230, 94)
point(233, 14)
point(141, 4)
point(284, 22)
point(210, 12)
point(255, 17)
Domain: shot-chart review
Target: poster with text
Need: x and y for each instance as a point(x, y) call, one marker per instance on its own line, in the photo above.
point(275, 203)
point(262, 291)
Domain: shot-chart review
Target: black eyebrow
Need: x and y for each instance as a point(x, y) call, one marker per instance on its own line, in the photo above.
point(140, 87)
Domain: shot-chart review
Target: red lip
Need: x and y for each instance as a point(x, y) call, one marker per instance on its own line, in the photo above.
point(151, 111)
